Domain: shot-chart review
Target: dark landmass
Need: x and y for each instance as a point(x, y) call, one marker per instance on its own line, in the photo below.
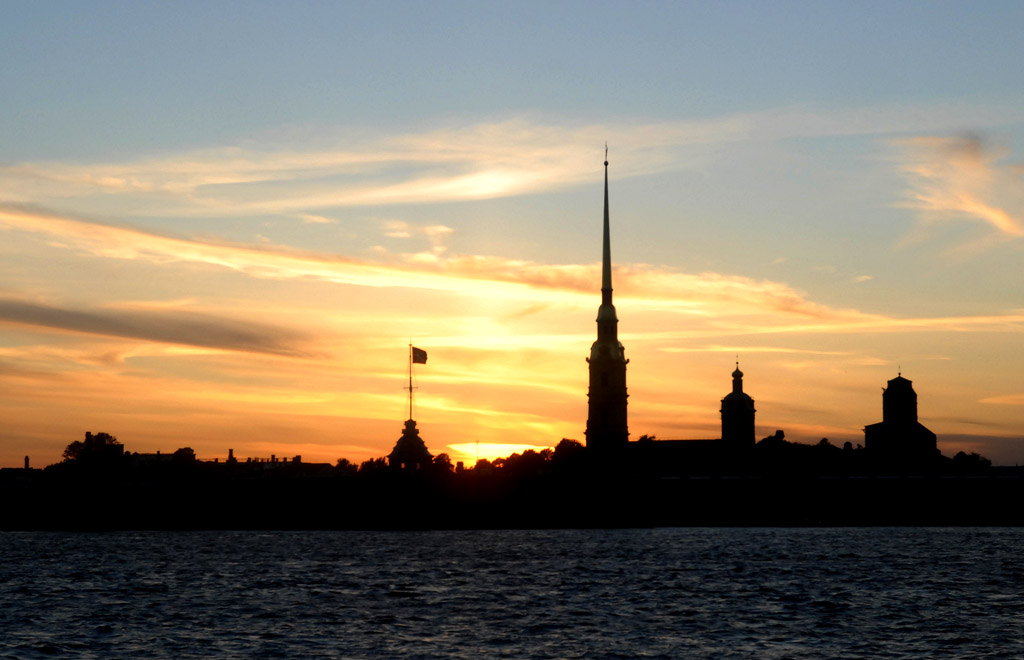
point(650, 483)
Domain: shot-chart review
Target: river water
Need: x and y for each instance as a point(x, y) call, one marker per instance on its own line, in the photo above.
point(651, 593)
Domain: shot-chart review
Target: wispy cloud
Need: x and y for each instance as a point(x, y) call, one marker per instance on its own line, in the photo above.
point(478, 161)
point(964, 179)
point(164, 326)
point(402, 229)
point(1005, 400)
point(724, 303)
point(311, 219)
point(517, 156)
point(649, 288)
point(749, 350)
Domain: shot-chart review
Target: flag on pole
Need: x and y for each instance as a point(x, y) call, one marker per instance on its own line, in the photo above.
point(419, 356)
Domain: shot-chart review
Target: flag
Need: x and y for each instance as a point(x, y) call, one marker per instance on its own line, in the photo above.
point(419, 356)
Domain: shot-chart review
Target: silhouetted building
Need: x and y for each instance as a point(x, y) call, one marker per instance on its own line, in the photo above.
point(738, 414)
point(730, 454)
point(410, 452)
point(899, 437)
point(606, 416)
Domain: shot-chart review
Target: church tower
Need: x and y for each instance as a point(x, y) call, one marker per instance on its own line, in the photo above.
point(899, 438)
point(738, 414)
point(606, 417)
point(899, 402)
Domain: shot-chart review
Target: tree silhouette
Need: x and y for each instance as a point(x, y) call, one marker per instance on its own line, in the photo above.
point(973, 462)
point(346, 467)
point(568, 455)
point(73, 451)
point(443, 463)
point(93, 446)
point(567, 448)
point(373, 466)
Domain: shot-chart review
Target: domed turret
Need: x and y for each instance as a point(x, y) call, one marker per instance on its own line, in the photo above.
point(738, 414)
point(410, 452)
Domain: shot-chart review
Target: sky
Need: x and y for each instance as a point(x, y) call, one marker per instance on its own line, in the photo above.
point(223, 224)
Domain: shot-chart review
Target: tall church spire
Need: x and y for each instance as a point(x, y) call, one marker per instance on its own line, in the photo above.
point(606, 264)
point(607, 322)
point(606, 418)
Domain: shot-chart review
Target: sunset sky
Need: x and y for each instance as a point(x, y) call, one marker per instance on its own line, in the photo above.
point(222, 223)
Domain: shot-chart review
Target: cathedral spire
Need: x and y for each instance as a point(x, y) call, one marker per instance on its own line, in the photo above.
point(606, 265)
point(607, 321)
point(606, 419)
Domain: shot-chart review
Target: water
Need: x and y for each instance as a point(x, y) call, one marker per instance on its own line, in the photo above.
point(657, 593)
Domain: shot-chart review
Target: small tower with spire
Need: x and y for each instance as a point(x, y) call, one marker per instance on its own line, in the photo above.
point(738, 414)
point(900, 440)
point(606, 416)
point(899, 402)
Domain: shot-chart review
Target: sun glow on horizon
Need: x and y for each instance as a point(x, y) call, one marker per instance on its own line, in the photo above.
point(470, 452)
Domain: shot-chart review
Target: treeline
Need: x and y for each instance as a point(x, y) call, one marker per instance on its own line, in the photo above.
point(98, 485)
point(567, 455)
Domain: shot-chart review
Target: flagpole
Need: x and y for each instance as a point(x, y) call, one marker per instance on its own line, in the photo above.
point(410, 380)
point(415, 355)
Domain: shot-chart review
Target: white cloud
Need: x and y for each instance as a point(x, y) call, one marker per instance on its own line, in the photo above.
point(402, 229)
point(458, 162)
point(311, 219)
point(397, 229)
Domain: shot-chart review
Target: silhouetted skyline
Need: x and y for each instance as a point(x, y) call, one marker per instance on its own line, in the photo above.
point(213, 243)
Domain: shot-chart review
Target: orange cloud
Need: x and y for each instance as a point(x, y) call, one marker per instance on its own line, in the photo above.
point(1005, 400)
point(963, 178)
point(726, 303)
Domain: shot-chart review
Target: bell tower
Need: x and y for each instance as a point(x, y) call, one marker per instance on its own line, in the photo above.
point(606, 417)
point(738, 414)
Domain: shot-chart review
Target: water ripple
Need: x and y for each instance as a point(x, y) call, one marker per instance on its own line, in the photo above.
point(663, 593)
